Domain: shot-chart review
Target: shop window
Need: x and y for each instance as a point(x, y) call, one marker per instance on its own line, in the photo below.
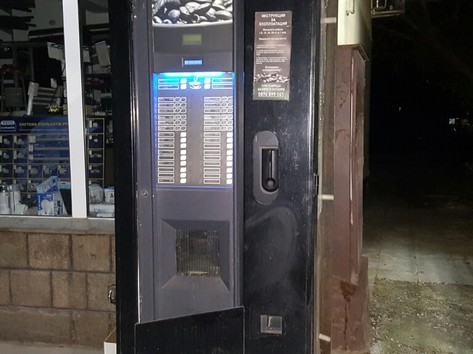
point(55, 81)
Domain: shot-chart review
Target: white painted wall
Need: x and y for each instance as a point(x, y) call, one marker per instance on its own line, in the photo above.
point(48, 14)
point(354, 23)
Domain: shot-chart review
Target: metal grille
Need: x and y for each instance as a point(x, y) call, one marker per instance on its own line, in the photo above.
point(197, 253)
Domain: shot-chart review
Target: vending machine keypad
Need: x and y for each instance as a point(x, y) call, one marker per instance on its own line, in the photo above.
point(193, 123)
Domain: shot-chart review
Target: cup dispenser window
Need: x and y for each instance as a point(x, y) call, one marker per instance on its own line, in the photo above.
point(197, 253)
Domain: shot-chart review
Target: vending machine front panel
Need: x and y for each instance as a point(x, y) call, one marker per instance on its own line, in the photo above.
point(191, 238)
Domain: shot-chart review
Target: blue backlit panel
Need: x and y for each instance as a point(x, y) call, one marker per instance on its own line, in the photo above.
point(193, 128)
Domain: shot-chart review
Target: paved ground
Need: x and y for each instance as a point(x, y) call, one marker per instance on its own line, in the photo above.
point(13, 348)
point(419, 240)
point(420, 244)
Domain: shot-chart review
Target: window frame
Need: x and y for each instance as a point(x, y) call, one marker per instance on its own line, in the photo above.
point(75, 106)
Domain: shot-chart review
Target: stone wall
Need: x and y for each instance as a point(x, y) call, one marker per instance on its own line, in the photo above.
point(53, 287)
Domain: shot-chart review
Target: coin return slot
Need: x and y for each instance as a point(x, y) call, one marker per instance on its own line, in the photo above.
point(271, 324)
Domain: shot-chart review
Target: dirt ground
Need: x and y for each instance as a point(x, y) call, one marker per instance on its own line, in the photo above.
point(421, 318)
point(417, 316)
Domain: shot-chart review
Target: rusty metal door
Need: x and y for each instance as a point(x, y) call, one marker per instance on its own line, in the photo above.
point(348, 163)
point(349, 270)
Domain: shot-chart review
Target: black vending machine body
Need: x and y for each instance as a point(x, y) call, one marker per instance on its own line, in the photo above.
point(216, 211)
point(280, 225)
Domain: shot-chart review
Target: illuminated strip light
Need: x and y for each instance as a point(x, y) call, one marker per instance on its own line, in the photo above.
point(211, 135)
point(168, 87)
point(213, 74)
point(166, 152)
point(166, 180)
point(166, 145)
point(223, 80)
point(212, 163)
point(212, 99)
point(166, 170)
point(212, 152)
point(212, 128)
point(212, 158)
point(211, 181)
point(166, 163)
point(168, 119)
point(169, 128)
point(212, 122)
point(168, 81)
point(216, 104)
point(212, 110)
point(213, 170)
point(212, 140)
point(171, 110)
point(212, 146)
point(165, 175)
point(222, 86)
point(193, 62)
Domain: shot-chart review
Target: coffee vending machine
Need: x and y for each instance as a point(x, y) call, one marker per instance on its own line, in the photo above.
point(216, 216)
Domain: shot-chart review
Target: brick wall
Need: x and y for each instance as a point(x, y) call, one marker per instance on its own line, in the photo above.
point(53, 287)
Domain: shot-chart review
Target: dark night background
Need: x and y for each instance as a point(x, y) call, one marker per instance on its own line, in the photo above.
point(422, 82)
point(422, 75)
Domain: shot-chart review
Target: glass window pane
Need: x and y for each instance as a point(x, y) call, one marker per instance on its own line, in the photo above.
point(97, 108)
point(34, 144)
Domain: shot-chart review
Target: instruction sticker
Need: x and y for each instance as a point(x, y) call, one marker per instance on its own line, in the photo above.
point(272, 61)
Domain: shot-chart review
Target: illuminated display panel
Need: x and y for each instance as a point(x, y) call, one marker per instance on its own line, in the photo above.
point(192, 39)
point(193, 128)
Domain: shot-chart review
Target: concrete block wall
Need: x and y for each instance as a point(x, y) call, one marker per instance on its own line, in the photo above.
point(53, 287)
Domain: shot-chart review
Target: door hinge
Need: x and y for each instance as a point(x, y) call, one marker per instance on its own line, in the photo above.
point(316, 185)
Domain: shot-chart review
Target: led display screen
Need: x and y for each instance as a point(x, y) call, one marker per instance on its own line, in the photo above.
point(192, 62)
point(192, 39)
